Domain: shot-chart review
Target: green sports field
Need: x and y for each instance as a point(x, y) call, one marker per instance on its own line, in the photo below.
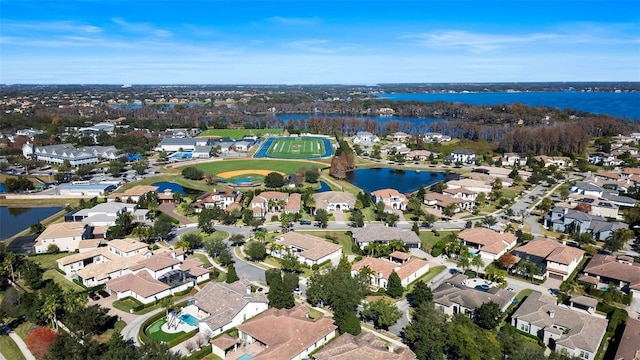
point(283, 166)
point(296, 148)
point(239, 133)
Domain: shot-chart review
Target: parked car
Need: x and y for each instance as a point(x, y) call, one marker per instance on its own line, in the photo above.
point(305, 222)
point(103, 293)
point(93, 296)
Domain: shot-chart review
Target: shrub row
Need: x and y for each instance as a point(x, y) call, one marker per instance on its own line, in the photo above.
point(196, 355)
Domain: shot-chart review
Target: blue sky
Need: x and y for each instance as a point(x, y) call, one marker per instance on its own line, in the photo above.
point(317, 42)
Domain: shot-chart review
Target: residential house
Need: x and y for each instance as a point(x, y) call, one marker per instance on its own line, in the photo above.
point(163, 274)
point(556, 260)
point(67, 236)
point(105, 214)
point(622, 271)
point(462, 155)
point(563, 219)
point(392, 199)
point(596, 206)
point(96, 266)
point(30, 133)
point(488, 243)
point(564, 329)
point(454, 296)
point(134, 194)
point(334, 200)
point(587, 188)
point(444, 200)
point(407, 267)
point(296, 338)
point(513, 159)
point(629, 347)
point(436, 137)
point(273, 201)
point(365, 138)
point(379, 233)
point(559, 161)
point(421, 155)
point(219, 198)
point(400, 136)
point(223, 306)
point(364, 346)
point(601, 158)
point(470, 185)
point(308, 249)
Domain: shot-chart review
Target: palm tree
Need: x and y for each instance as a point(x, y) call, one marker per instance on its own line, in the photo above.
point(9, 260)
point(477, 262)
point(142, 232)
point(73, 300)
point(464, 260)
point(261, 235)
point(367, 273)
point(571, 287)
point(50, 308)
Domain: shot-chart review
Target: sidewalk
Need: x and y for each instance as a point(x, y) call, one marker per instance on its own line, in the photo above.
point(23, 347)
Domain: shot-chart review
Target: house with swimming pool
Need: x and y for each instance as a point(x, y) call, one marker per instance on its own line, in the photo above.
point(220, 306)
point(461, 295)
point(281, 334)
point(488, 243)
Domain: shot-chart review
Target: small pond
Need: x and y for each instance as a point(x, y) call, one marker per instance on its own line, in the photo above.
point(3, 189)
point(323, 187)
point(176, 188)
point(405, 181)
point(15, 219)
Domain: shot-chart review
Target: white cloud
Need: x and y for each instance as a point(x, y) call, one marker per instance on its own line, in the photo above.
point(142, 28)
point(294, 21)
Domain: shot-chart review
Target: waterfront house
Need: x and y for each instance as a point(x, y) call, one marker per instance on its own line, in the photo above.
point(334, 200)
point(392, 199)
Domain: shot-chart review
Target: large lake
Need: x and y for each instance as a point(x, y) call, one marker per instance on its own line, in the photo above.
point(623, 105)
point(13, 220)
point(405, 181)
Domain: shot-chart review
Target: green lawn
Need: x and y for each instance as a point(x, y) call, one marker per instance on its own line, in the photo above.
point(284, 166)
point(49, 264)
point(429, 239)
point(126, 304)
point(428, 276)
point(155, 332)
point(240, 133)
point(205, 260)
point(9, 349)
point(296, 148)
point(343, 239)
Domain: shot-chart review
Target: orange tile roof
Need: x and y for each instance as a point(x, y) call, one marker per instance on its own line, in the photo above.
point(296, 332)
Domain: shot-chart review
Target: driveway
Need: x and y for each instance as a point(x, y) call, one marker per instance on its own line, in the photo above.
point(168, 208)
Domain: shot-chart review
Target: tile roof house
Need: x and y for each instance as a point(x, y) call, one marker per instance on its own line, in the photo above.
point(408, 268)
point(334, 200)
point(556, 260)
point(560, 161)
point(629, 347)
point(218, 198)
point(380, 233)
point(158, 276)
point(442, 201)
point(604, 269)
point(489, 243)
point(392, 199)
point(364, 346)
point(224, 306)
point(296, 338)
point(566, 330)
point(66, 236)
point(455, 297)
point(272, 201)
point(476, 186)
point(308, 249)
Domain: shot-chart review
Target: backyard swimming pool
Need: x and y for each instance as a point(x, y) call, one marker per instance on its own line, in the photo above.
point(189, 319)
